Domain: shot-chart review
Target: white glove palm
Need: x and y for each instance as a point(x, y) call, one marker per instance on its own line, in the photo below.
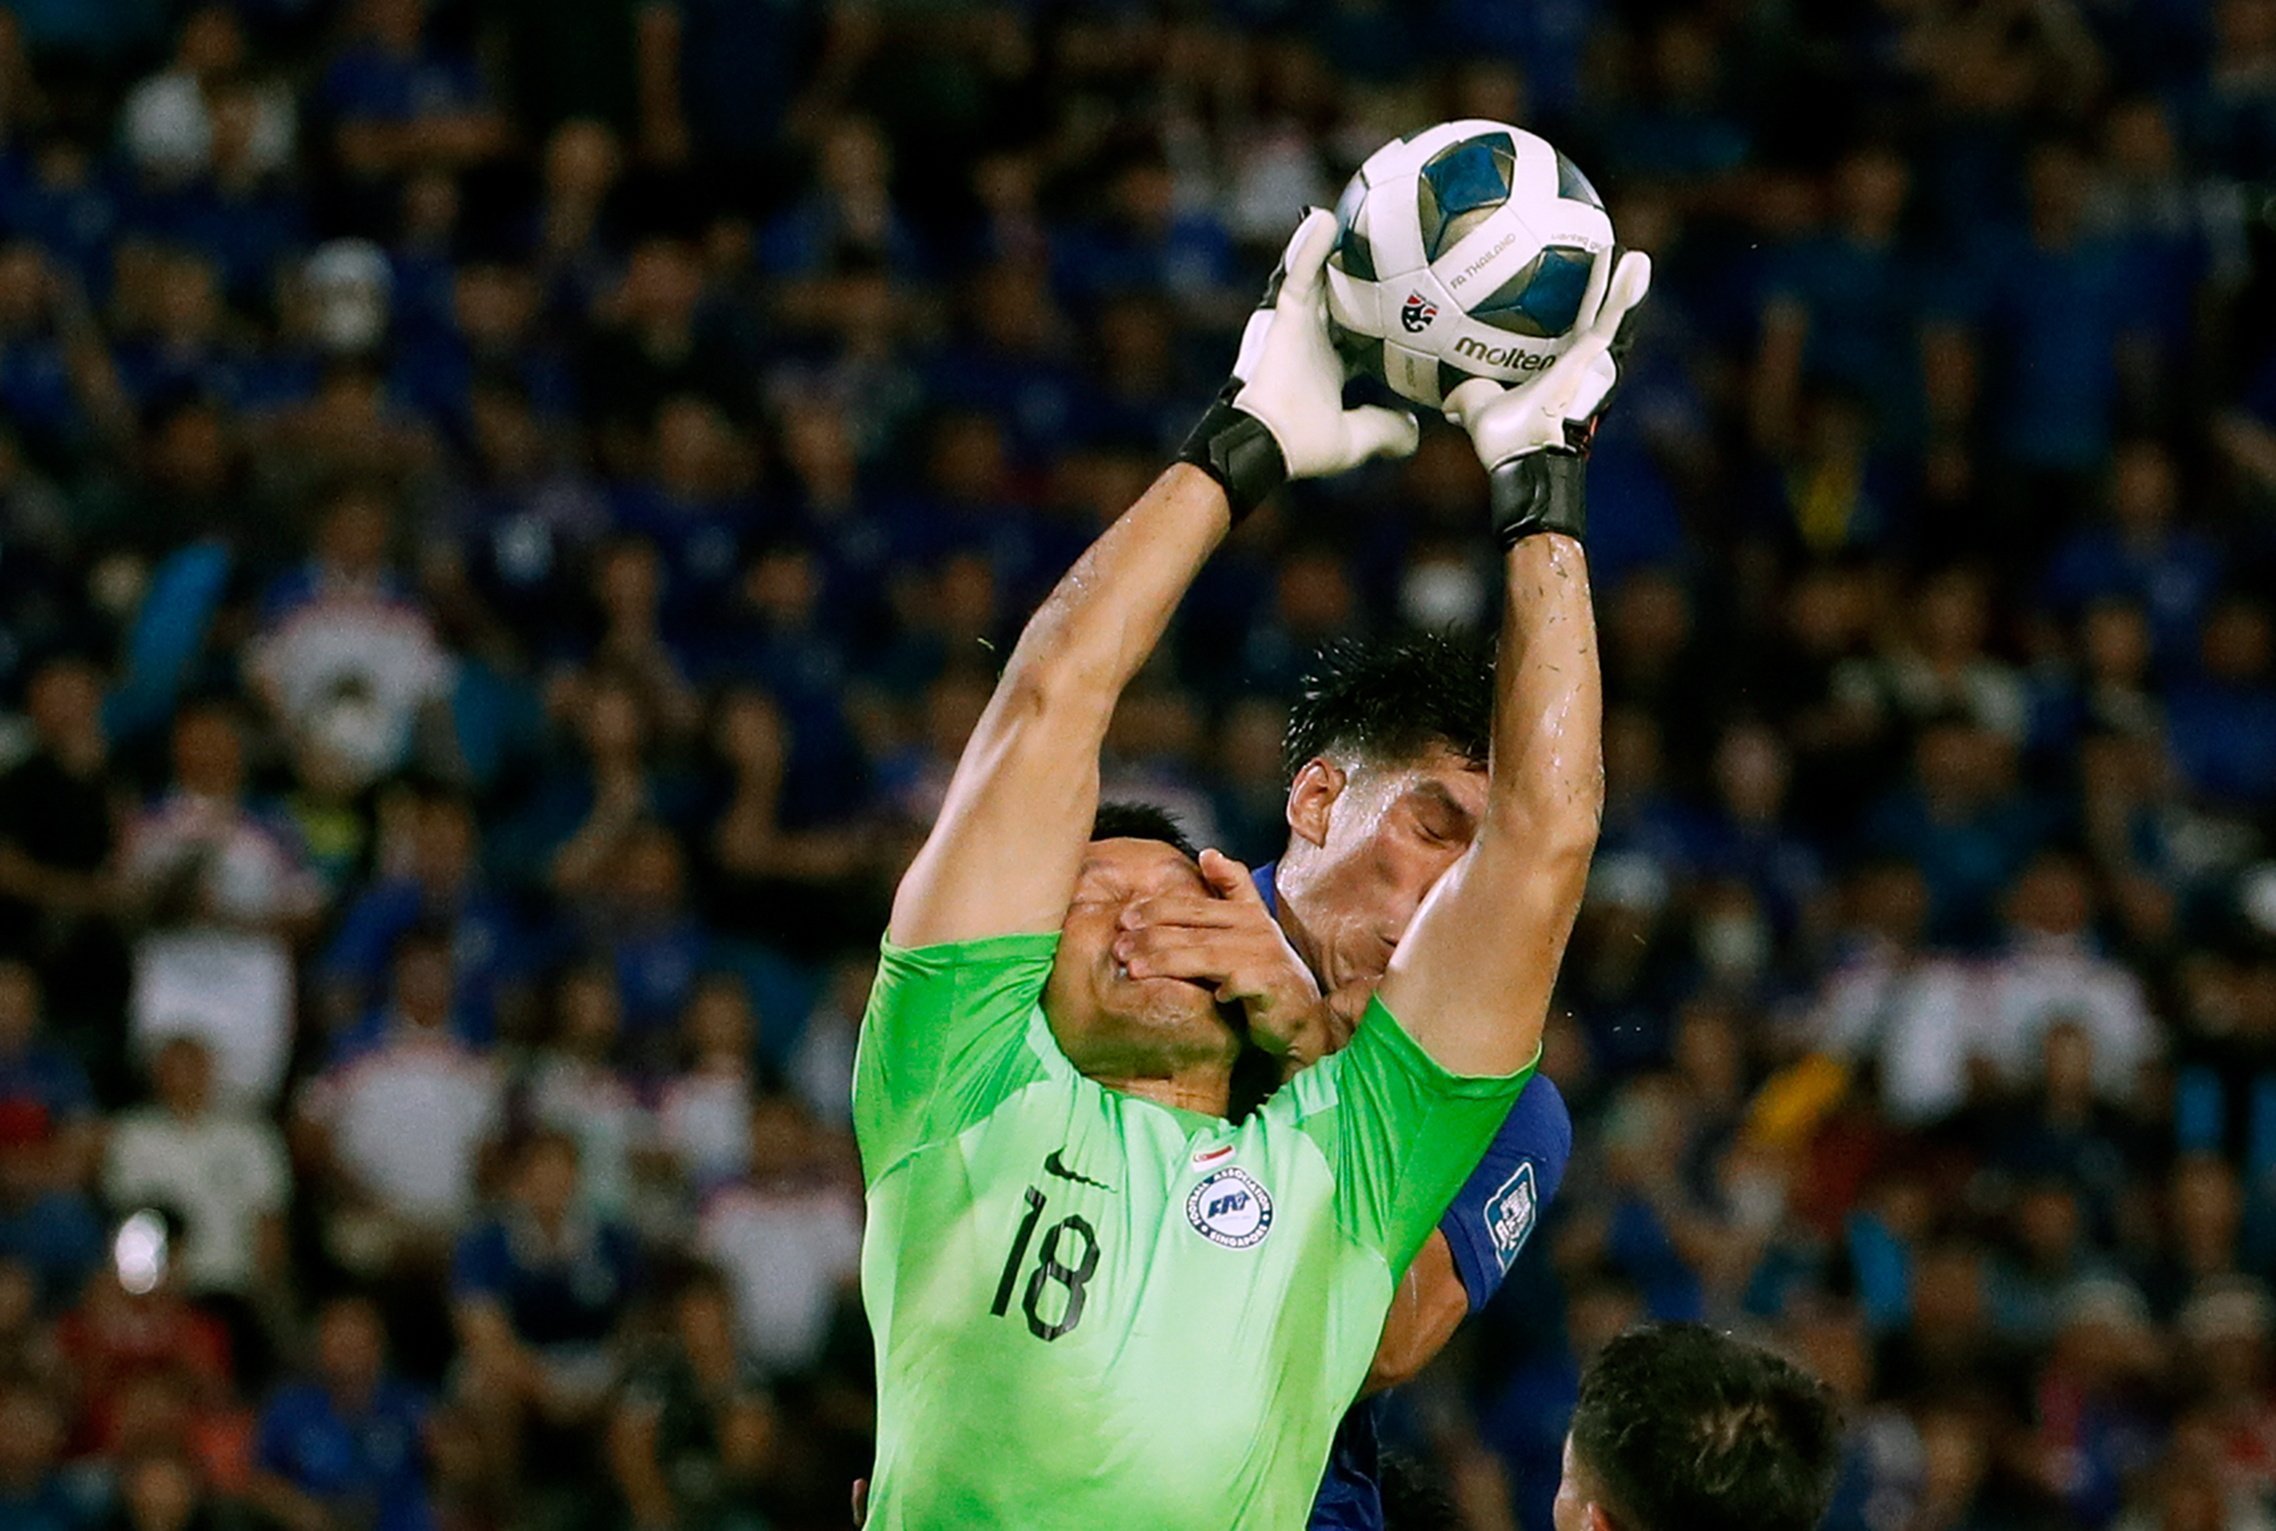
point(1507, 422)
point(1292, 380)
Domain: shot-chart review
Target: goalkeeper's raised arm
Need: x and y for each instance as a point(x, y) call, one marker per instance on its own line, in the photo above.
point(1003, 856)
point(1471, 981)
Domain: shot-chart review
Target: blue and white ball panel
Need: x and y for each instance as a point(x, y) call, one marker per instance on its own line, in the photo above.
point(1463, 251)
point(1393, 235)
point(1354, 252)
point(1486, 258)
point(1459, 188)
point(1533, 177)
point(1352, 301)
point(1542, 298)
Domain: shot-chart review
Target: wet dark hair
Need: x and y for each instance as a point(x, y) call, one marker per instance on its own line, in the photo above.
point(1391, 699)
point(1143, 821)
point(1686, 1428)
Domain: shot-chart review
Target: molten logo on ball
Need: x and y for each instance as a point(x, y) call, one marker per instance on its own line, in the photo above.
point(1417, 312)
point(1501, 356)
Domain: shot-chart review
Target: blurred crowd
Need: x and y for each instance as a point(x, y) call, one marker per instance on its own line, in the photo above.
point(508, 511)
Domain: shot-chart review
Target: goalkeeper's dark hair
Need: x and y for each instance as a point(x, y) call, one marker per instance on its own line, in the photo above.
point(1684, 1428)
point(1389, 700)
point(1143, 821)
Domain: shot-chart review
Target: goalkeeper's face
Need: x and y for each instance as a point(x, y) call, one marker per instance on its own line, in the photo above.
point(1110, 1025)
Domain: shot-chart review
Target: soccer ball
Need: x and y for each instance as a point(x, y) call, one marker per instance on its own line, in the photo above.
point(1462, 251)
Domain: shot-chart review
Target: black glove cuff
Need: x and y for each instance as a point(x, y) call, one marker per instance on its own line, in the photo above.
point(1233, 447)
point(1543, 491)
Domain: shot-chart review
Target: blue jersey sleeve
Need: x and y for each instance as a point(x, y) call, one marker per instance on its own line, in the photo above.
point(1497, 1209)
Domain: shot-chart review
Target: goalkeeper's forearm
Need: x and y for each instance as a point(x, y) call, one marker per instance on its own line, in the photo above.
point(1546, 788)
point(1103, 619)
point(1473, 977)
point(1003, 855)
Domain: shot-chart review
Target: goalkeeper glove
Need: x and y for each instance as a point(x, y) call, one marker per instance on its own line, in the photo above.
point(1281, 415)
point(1534, 437)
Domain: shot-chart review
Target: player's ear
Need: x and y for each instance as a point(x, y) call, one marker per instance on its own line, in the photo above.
point(1312, 799)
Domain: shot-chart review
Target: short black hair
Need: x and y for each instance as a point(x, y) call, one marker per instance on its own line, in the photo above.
point(1391, 699)
point(1143, 821)
point(1686, 1428)
point(1412, 1501)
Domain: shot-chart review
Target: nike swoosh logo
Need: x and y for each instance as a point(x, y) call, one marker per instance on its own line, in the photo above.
point(1052, 1166)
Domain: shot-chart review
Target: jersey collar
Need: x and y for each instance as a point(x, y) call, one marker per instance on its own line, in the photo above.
point(1263, 878)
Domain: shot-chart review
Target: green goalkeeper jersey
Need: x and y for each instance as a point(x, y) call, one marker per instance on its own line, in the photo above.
point(1092, 1311)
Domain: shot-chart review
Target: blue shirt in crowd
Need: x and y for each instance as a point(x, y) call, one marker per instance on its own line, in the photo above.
point(566, 1295)
point(363, 1464)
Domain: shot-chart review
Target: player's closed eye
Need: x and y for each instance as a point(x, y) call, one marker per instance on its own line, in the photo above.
point(1434, 830)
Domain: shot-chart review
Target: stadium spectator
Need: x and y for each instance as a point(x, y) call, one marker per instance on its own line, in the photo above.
point(692, 1438)
point(511, 527)
point(779, 863)
point(1892, 1004)
point(703, 1109)
point(2224, 723)
point(821, 1066)
point(167, 122)
point(581, 816)
point(2058, 1125)
point(1745, 838)
point(787, 1238)
point(50, 1229)
point(2093, 1401)
point(1843, 311)
point(224, 893)
point(2050, 973)
point(2142, 555)
point(27, 1341)
point(345, 655)
point(224, 1174)
point(394, 1129)
point(573, 1085)
point(396, 100)
point(162, 1489)
point(642, 919)
point(1944, 671)
point(2204, 1244)
point(1963, 814)
point(439, 886)
point(135, 1335)
point(60, 392)
point(32, 1486)
point(347, 1443)
point(656, 341)
point(41, 1081)
point(59, 837)
point(538, 1294)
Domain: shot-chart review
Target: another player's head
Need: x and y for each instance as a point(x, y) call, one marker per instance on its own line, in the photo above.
point(1386, 755)
point(1682, 1428)
point(1111, 1026)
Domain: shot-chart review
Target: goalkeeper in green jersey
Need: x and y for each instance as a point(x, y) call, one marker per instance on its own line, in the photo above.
point(1097, 1301)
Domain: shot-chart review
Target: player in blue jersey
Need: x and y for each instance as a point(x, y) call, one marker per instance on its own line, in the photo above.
point(1680, 1427)
point(1386, 754)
